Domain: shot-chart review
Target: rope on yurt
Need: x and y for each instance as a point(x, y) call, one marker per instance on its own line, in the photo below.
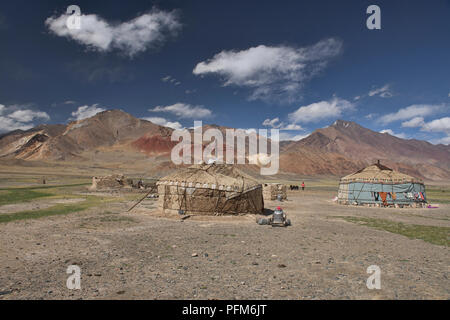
point(180, 204)
point(392, 185)
point(359, 192)
point(249, 200)
point(252, 202)
point(184, 194)
point(215, 211)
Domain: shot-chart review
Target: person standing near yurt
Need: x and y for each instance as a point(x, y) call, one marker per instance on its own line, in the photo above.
point(303, 185)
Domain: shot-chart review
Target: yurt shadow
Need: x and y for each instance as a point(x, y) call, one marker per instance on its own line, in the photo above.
point(267, 212)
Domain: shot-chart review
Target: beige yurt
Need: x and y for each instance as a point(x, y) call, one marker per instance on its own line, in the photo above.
point(271, 191)
point(210, 189)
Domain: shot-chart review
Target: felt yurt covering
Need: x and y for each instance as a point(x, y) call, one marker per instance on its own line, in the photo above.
point(367, 185)
point(210, 189)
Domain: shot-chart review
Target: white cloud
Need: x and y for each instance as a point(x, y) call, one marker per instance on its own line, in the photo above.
point(441, 125)
point(285, 136)
point(413, 123)
point(8, 124)
point(131, 37)
point(16, 118)
point(438, 125)
point(392, 133)
point(165, 123)
point(384, 92)
point(184, 110)
point(84, 112)
point(291, 126)
point(444, 140)
point(28, 115)
point(321, 110)
point(64, 103)
point(276, 124)
point(171, 80)
point(413, 111)
point(271, 72)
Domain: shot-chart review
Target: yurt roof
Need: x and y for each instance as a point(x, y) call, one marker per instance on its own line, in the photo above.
point(378, 173)
point(211, 176)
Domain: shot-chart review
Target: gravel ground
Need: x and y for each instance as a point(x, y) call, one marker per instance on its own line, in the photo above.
point(141, 255)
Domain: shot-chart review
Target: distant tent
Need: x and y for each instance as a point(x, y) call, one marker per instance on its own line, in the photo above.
point(109, 182)
point(271, 191)
point(210, 189)
point(380, 185)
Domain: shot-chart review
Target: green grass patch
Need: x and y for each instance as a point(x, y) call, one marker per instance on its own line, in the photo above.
point(25, 194)
point(55, 186)
point(431, 234)
point(53, 211)
point(21, 195)
point(438, 194)
point(59, 209)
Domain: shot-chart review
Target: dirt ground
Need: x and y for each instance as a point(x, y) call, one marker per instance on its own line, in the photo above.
point(140, 255)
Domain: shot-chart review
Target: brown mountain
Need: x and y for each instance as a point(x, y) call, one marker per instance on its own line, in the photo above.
point(121, 140)
point(345, 146)
point(62, 142)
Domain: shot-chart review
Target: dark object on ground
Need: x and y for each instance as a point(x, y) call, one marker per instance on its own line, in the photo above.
point(278, 219)
point(262, 221)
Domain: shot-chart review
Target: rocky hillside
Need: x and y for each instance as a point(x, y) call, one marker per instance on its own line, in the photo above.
point(345, 146)
point(339, 149)
point(62, 142)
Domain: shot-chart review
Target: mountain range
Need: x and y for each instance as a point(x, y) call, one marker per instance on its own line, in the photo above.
point(117, 137)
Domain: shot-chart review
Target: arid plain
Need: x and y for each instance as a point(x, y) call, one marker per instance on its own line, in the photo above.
point(143, 255)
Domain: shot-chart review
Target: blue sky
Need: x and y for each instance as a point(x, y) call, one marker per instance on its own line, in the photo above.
point(293, 65)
